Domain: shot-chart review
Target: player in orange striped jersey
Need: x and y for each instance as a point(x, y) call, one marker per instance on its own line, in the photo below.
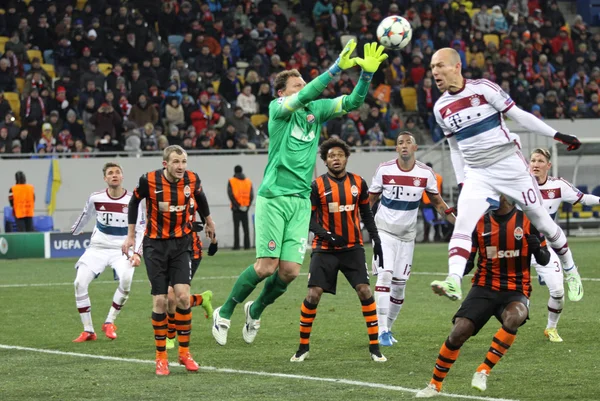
point(339, 201)
point(505, 241)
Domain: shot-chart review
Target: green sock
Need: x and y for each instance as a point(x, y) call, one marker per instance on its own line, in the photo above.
point(245, 284)
point(273, 289)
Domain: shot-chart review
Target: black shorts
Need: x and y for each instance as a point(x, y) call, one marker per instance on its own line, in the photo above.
point(195, 264)
point(324, 268)
point(482, 303)
point(168, 261)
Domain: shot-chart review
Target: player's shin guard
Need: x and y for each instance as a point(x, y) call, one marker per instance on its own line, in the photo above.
point(159, 324)
point(308, 312)
point(273, 289)
point(382, 296)
point(446, 358)
point(396, 301)
point(554, 235)
point(183, 324)
point(243, 287)
point(369, 311)
point(501, 342)
point(459, 250)
point(119, 299)
point(171, 330)
point(555, 306)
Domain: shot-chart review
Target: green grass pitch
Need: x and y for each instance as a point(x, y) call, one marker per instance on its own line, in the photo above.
point(38, 299)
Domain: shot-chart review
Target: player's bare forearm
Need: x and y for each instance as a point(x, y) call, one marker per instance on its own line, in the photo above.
point(373, 198)
point(441, 207)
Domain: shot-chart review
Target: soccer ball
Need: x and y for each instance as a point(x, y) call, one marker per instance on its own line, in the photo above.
point(394, 32)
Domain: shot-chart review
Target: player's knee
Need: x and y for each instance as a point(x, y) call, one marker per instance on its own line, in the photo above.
point(384, 279)
point(314, 295)
point(125, 284)
point(557, 293)
point(463, 329)
point(514, 316)
point(183, 300)
point(266, 266)
point(364, 292)
point(80, 285)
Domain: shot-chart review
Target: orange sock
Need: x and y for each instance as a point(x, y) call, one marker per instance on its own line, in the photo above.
point(500, 344)
point(369, 311)
point(183, 323)
point(171, 332)
point(195, 300)
point(446, 358)
point(308, 312)
point(159, 324)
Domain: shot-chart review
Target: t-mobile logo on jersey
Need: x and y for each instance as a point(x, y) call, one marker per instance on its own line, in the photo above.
point(455, 121)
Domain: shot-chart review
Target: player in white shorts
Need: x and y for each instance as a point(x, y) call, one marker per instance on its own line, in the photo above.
point(400, 184)
point(109, 207)
point(555, 191)
point(488, 162)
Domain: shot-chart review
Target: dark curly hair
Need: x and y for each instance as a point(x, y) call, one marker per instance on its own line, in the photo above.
point(333, 143)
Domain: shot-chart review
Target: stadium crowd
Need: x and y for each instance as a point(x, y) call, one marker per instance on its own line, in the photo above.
point(140, 75)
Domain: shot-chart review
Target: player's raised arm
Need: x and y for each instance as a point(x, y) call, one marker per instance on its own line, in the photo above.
point(502, 102)
point(89, 212)
point(286, 105)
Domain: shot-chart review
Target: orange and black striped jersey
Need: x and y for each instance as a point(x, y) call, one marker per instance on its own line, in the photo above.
point(171, 206)
point(504, 258)
point(196, 245)
point(336, 203)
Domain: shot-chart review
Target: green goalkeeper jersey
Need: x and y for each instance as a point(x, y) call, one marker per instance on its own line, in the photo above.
point(294, 130)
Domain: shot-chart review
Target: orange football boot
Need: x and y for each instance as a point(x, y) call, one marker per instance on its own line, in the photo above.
point(85, 336)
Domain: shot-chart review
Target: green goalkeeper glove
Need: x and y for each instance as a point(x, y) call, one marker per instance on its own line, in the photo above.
point(373, 57)
point(344, 61)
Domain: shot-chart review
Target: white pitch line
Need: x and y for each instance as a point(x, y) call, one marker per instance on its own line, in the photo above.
point(251, 372)
point(220, 278)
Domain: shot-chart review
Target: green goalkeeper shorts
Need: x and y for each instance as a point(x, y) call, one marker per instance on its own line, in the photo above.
point(282, 225)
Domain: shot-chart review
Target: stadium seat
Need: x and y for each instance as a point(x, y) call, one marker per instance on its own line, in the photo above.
point(15, 102)
point(596, 191)
point(80, 4)
point(49, 57)
point(2, 46)
point(473, 12)
point(31, 54)
point(43, 224)
point(20, 84)
point(10, 224)
point(431, 218)
point(175, 40)
point(4, 39)
point(105, 68)
point(409, 97)
point(259, 119)
point(49, 68)
point(567, 207)
point(215, 85)
point(389, 142)
point(490, 37)
point(583, 188)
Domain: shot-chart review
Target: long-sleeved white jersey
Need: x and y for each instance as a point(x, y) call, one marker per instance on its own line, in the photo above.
point(556, 190)
point(401, 192)
point(472, 121)
point(110, 229)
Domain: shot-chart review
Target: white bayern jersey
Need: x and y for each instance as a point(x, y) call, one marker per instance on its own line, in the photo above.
point(473, 116)
point(401, 192)
point(557, 190)
point(110, 229)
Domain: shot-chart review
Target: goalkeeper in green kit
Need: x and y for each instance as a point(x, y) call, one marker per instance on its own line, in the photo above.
point(283, 207)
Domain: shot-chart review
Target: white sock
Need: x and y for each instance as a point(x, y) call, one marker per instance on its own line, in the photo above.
point(84, 307)
point(555, 306)
point(119, 299)
point(572, 270)
point(382, 299)
point(396, 301)
point(459, 250)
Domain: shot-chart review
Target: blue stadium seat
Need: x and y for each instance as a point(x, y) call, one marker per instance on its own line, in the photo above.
point(583, 188)
point(567, 207)
point(175, 40)
point(596, 191)
point(49, 57)
point(10, 224)
point(430, 217)
point(43, 224)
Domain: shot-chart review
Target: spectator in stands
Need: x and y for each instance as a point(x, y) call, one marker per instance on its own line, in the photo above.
point(174, 114)
point(33, 111)
point(9, 122)
point(106, 121)
point(7, 79)
point(143, 112)
point(247, 101)
point(27, 143)
point(148, 137)
point(5, 142)
point(498, 24)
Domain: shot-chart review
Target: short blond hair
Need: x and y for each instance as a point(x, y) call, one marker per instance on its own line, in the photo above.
point(173, 148)
point(542, 151)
